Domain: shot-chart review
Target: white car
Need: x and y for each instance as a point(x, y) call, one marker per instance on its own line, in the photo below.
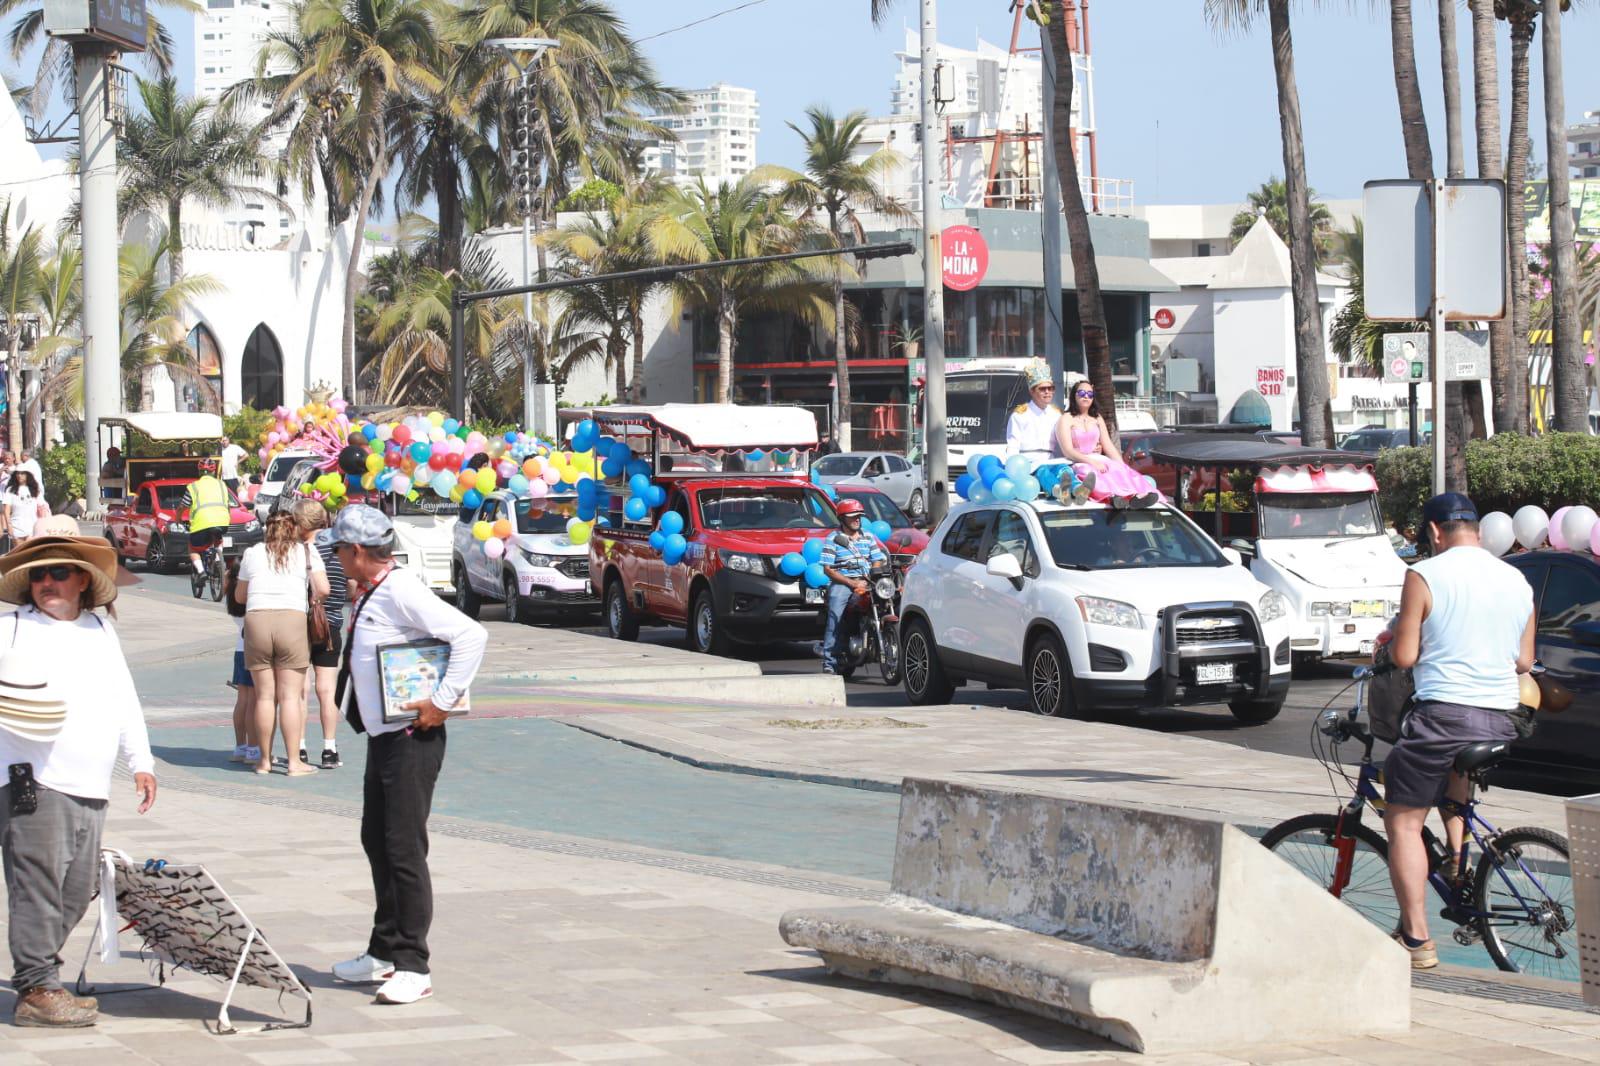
point(1088, 608)
point(273, 478)
point(887, 472)
point(422, 531)
point(540, 569)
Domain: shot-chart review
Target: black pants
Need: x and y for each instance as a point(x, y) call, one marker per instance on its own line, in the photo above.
point(397, 798)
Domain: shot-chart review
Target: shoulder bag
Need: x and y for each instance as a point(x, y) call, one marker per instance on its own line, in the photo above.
point(317, 629)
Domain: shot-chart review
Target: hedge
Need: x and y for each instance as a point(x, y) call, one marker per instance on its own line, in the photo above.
point(1505, 472)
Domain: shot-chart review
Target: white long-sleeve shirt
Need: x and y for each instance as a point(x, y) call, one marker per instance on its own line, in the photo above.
point(1031, 431)
point(403, 609)
point(89, 674)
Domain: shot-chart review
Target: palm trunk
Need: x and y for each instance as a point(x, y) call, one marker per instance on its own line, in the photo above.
point(841, 356)
point(619, 357)
point(1455, 157)
point(1413, 123)
point(1311, 365)
point(727, 320)
point(1085, 271)
point(1517, 222)
point(14, 392)
point(347, 339)
point(636, 326)
point(174, 241)
point(449, 199)
point(1486, 115)
point(1568, 376)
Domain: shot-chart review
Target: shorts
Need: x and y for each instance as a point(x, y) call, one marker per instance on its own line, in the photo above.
point(205, 538)
point(241, 676)
point(1417, 770)
point(328, 654)
point(276, 640)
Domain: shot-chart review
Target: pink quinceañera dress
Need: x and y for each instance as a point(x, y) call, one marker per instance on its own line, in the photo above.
point(1119, 479)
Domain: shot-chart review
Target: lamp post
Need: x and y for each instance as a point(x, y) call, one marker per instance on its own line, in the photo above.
point(524, 54)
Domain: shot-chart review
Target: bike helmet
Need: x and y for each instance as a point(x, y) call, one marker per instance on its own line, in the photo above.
point(847, 507)
point(208, 466)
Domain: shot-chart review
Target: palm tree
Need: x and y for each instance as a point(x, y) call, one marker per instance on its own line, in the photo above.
point(699, 225)
point(596, 245)
point(1522, 15)
point(60, 302)
point(1567, 372)
point(55, 62)
point(837, 185)
point(186, 148)
point(1486, 116)
point(153, 321)
point(1413, 122)
point(20, 259)
point(1271, 202)
point(1310, 362)
point(1455, 153)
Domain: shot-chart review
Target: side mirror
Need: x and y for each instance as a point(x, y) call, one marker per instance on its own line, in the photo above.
point(1005, 565)
point(1242, 546)
point(1233, 556)
point(1586, 633)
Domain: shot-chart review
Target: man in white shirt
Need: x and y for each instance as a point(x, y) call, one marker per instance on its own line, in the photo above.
point(231, 454)
point(1031, 429)
point(403, 758)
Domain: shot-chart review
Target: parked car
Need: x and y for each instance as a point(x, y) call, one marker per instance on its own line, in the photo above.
point(1089, 609)
point(274, 477)
point(1566, 592)
point(907, 541)
point(152, 526)
point(1371, 440)
point(887, 472)
point(541, 572)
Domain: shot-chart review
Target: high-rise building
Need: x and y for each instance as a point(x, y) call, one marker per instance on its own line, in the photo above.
point(716, 137)
point(1583, 147)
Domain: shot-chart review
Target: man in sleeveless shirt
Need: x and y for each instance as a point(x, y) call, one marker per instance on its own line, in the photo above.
point(1466, 626)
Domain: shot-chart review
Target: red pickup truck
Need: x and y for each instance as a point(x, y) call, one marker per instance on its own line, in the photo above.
point(152, 526)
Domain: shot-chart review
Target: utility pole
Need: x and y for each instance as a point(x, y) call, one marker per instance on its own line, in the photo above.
point(936, 456)
point(1054, 328)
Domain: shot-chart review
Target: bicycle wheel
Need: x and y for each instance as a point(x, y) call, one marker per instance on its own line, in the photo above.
point(197, 582)
point(215, 578)
point(1308, 844)
point(1529, 892)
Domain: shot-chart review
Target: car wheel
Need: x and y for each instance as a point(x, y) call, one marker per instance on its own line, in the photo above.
point(620, 620)
point(922, 673)
point(467, 601)
point(706, 632)
point(1255, 712)
point(918, 505)
point(516, 611)
point(1050, 679)
point(155, 554)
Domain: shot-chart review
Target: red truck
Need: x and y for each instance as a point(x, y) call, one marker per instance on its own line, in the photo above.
point(738, 478)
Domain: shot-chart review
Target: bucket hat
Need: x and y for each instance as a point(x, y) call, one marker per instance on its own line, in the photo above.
point(29, 708)
point(96, 557)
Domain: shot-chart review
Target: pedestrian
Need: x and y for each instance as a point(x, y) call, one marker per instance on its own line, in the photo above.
point(280, 579)
point(1466, 627)
point(403, 760)
point(325, 657)
point(244, 689)
point(231, 454)
point(21, 506)
point(26, 461)
point(57, 646)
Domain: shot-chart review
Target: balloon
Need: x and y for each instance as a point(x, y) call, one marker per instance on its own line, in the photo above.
point(1003, 487)
point(494, 547)
point(619, 453)
point(420, 451)
point(517, 484)
point(372, 463)
point(1497, 533)
point(975, 467)
point(369, 431)
point(658, 540)
point(502, 528)
point(637, 466)
point(442, 484)
point(635, 510)
point(532, 467)
point(486, 480)
point(817, 577)
point(401, 485)
point(1558, 537)
point(964, 485)
point(550, 475)
point(1017, 467)
point(811, 551)
point(537, 489)
point(578, 530)
point(989, 468)
point(481, 530)
point(792, 564)
point(673, 550)
point(980, 494)
point(658, 496)
point(1531, 525)
point(1028, 488)
point(401, 434)
point(1594, 539)
point(1578, 526)
point(880, 529)
point(435, 418)
point(587, 511)
point(638, 484)
point(671, 523)
point(353, 460)
point(451, 425)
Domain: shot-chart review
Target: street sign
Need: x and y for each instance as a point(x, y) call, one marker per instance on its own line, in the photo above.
point(122, 23)
point(1466, 356)
point(1165, 318)
point(966, 257)
point(1397, 260)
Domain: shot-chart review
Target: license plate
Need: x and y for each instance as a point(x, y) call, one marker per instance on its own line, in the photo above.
point(1368, 647)
point(227, 542)
point(814, 595)
point(1213, 673)
point(1367, 609)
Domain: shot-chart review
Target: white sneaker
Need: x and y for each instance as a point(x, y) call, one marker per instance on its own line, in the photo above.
point(406, 987)
point(363, 970)
point(240, 753)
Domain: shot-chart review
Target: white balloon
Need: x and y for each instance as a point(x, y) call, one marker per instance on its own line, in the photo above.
point(1530, 524)
point(1577, 526)
point(1497, 532)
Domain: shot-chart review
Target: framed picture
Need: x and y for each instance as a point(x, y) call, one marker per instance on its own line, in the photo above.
point(411, 671)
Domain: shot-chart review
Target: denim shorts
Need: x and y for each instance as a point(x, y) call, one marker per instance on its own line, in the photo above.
point(1417, 770)
point(241, 676)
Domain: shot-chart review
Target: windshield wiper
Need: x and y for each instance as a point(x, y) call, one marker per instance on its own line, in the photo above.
point(1073, 566)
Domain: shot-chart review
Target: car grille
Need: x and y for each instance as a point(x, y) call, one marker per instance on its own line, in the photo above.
point(575, 567)
point(436, 560)
point(1211, 629)
point(539, 592)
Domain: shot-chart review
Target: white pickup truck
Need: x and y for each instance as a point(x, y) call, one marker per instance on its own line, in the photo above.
point(539, 571)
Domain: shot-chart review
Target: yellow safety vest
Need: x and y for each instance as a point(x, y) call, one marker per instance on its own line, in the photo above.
point(208, 504)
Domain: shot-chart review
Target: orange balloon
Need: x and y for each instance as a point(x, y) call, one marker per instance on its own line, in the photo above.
point(467, 479)
point(502, 528)
point(532, 468)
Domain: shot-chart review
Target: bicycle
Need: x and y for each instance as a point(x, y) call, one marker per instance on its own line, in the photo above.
point(1518, 901)
point(210, 576)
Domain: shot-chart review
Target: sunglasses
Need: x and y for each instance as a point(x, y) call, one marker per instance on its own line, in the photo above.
point(54, 573)
point(1085, 392)
point(1044, 388)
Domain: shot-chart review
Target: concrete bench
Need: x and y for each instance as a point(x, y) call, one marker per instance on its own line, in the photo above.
point(1160, 932)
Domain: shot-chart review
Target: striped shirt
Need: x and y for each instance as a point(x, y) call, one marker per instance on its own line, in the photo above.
point(856, 557)
point(338, 587)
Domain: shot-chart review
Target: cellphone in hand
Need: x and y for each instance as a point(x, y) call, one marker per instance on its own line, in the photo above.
point(24, 796)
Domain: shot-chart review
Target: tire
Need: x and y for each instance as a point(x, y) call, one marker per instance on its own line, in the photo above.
point(706, 633)
point(621, 622)
point(1049, 679)
point(921, 672)
point(1537, 862)
point(155, 555)
point(917, 506)
point(889, 654)
point(1306, 843)
point(1255, 712)
point(516, 612)
point(216, 580)
point(122, 560)
point(467, 601)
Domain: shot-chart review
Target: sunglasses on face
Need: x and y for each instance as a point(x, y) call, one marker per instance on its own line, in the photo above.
point(54, 573)
point(1044, 388)
point(1085, 392)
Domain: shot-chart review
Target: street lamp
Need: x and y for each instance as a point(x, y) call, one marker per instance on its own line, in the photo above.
point(524, 54)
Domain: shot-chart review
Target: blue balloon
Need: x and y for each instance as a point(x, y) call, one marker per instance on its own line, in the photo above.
point(450, 426)
point(637, 466)
point(1002, 487)
point(584, 437)
point(658, 540)
point(963, 485)
point(816, 577)
point(811, 551)
point(619, 453)
point(510, 436)
point(793, 564)
point(586, 511)
point(672, 523)
point(611, 468)
point(1028, 488)
point(471, 498)
point(672, 551)
point(880, 529)
point(1018, 467)
point(369, 431)
point(658, 496)
point(561, 487)
point(989, 468)
point(517, 484)
point(635, 510)
point(639, 484)
point(981, 494)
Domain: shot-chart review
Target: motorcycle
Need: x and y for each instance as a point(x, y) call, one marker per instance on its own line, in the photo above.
point(872, 627)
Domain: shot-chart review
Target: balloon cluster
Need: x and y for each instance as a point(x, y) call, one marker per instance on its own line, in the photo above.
point(321, 428)
point(988, 478)
point(1569, 529)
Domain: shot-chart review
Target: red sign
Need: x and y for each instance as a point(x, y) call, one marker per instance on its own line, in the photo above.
point(1165, 318)
point(1270, 380)
point(966, 257)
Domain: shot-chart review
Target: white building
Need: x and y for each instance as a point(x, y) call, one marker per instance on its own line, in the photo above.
point(1181, 231)
point(716, 137)
point(1583, 147)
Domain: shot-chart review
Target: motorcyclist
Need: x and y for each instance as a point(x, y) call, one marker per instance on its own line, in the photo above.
point(848, 557)
point(207, 500)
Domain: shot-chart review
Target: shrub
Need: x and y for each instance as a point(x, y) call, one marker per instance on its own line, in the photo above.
point(1504, 473)
point(63, 467)
point(247, 427)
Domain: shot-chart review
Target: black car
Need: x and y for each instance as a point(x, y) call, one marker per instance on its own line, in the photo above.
point(1374, 439)
point(1565, 747)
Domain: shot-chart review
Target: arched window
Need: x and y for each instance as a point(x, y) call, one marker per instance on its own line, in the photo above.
point(261, 370)
point(204, 354)
point(1250, 409)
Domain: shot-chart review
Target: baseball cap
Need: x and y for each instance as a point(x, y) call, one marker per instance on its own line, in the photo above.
point(1449, 507)
point(361, 525)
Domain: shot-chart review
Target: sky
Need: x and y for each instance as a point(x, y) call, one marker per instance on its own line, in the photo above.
point(1189, 116)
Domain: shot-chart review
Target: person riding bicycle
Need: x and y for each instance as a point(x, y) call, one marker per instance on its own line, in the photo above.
point(209, 511)
point(1466, 627)
point(848, 557)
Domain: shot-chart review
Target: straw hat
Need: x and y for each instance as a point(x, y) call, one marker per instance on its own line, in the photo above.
point(95, 556)
point(28, 706)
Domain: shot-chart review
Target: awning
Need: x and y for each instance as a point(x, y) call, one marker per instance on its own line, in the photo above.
point(1203, 449)
point(171, 425)
point(718, 426)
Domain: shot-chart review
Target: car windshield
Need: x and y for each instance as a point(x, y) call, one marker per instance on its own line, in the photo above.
point(879, 508)
point(426, 504)
point(837, 466)
point(281, 466)
point(1319, 514)
point(765, 507)
point(978, 406)
point(1125, 540)
point(545, 516)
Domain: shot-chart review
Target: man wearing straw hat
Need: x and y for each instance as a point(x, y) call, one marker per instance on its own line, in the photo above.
point(67, 705)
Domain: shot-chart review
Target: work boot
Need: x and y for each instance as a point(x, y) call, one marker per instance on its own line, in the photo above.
point(52, 1008)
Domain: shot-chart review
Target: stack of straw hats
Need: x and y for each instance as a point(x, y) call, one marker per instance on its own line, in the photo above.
point(28, 706)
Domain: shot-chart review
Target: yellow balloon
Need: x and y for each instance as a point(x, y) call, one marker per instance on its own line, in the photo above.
point(374, 462)
point(578, 532)
point(369, 481)
point(435, 418)
point(456, 494)
point(486, 480)
point(481, 530)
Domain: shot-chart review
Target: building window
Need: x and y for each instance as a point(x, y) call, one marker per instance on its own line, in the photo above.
point(261, 370)
point(1203, 248)
point(216, 5)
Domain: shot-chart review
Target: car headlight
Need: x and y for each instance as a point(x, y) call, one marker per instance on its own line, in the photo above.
point(883, 588)
point(535, 559)
point(1109, 612)
point(744, 564)
point(1273, 606)
point(1329, 609)
point(177, 527)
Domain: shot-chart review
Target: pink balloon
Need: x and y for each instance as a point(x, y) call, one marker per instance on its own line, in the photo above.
point(550, 474)
point(538, 490)
point(1558, 539)
point(506, 468)
point(494, 547)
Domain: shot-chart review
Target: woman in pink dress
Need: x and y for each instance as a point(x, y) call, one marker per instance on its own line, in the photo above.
point(1087, 444)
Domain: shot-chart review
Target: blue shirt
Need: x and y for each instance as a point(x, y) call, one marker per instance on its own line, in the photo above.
point(854, 559)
